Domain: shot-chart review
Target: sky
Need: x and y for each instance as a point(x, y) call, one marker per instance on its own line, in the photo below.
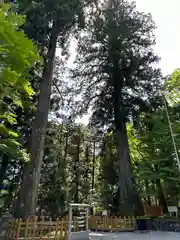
point(166, 14)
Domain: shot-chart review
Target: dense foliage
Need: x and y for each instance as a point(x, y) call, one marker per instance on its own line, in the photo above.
point(172, 87)
point(17, 55)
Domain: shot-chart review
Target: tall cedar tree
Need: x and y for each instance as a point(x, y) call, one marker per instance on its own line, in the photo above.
point(47, 23)
point(114, 72)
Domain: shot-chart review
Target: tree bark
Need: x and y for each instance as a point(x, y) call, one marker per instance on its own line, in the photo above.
point(76, 196)
point(93, 168)
point(147, 192)
point(162, 199)
point(26, 203)
point(129, 201)
point(65, 165)
point(4, 165)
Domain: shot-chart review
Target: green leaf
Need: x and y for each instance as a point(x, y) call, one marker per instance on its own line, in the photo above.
point(17, 55)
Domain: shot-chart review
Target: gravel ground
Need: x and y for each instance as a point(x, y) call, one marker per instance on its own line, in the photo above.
point(136, 236)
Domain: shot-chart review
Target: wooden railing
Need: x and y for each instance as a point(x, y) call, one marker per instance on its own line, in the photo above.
point(42, 230)
point(97, 223)
point(39, 230)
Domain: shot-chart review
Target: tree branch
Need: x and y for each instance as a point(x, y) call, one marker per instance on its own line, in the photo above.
point(57, 88)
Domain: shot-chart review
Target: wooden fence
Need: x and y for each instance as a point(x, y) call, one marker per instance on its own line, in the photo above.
point(34, 229)
point(97, 223)
point(42, 230)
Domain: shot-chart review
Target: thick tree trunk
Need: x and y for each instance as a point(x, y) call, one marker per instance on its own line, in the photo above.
point(65, 165)
point(130, 204)
point(161, 196)
point(76, 196)
point(162, 202)
point(93, 168)
point(26, 204)
point(4, 165)
point(129, 201)
point(147, 192)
